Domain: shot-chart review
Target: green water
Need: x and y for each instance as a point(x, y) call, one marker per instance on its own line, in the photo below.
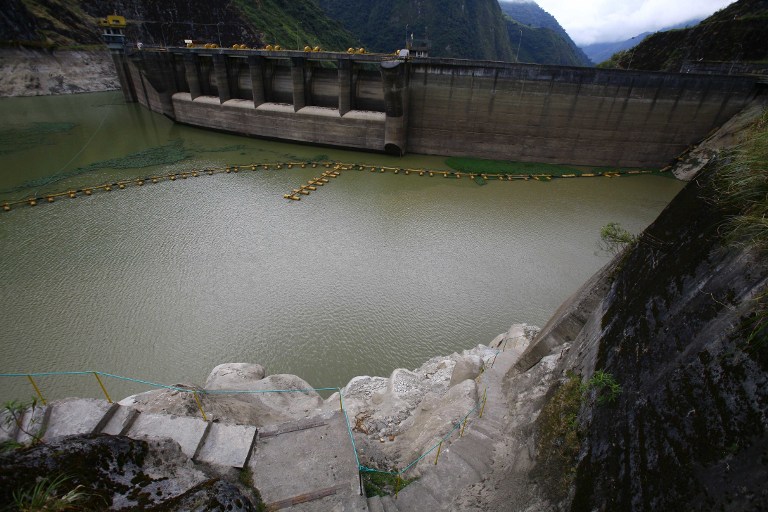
point(370, 272)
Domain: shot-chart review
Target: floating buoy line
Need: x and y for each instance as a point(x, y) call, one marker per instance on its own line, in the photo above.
point(331, 170)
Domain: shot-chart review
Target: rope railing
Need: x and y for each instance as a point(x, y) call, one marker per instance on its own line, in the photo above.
point(296, 193)
point(196, 392)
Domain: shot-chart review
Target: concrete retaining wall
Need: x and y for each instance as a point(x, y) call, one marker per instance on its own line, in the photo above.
point(581, 116)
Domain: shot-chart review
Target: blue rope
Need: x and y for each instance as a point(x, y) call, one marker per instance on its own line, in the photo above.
point(349, 429)
point(43, 374)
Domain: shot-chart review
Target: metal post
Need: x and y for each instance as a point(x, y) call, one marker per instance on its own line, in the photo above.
point(439, 447)
point(482, 408)
point(397, 485)
point(199, 405)
point(341, 404)
point(102, 387)
point(37, 389)
point(464, 424)
point(519, 42)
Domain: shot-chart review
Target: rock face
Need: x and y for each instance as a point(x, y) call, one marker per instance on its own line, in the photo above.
point(121, 474)
point(40, 73)
point(254, 405)
point(689, 427)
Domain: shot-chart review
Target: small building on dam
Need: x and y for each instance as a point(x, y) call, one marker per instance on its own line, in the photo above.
point(494, 110)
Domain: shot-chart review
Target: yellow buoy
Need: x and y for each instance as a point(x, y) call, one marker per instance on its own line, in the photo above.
point(6, 207)
point(307, 48)
point(279, 166)
point(431, 174)
point(210, 173)
point(140, 182)
point(172, 177)
point(278, 47)
point(290, 166)
point(32, 202)
point(314, 165)
point(49, 199)
point(154, 180)
point(316, 49)
point(121, 186)
point(253, 167)
point(107, 188)
point(397, 171)
point(87, 191)
point(194, 174)
point(269, 48)
point(303, 166)
point(72, 194)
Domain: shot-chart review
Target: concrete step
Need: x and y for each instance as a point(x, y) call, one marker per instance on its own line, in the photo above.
point(477, 454)
point(186, 431)
point(121, 419)
point(375, 505)
point(389, 504)
point(33, 423)
point(74, 417)
point(227, 445)
point(416, 497)
point(304, 457)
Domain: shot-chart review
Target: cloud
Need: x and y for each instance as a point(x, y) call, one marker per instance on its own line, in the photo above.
point(594, 21)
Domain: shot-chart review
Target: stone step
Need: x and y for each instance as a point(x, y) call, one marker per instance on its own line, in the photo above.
point(227, 445)
point(186, 431)
point(121, 418)
point(106, 418)
point(389, 504)
point(476, 453)
point(375, 505)
point(33, 423)
point(301, 457)
point(416, 497)
point(74, 417)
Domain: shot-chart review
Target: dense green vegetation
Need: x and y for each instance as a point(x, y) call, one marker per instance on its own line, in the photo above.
point(479, 165)
point(73, 23)
point(473, 29)
point(558, 437)
point(736, 33)
point(299, 22)
point(742, 189)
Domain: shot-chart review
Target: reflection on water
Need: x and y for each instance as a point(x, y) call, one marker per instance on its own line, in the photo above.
point(371, 272)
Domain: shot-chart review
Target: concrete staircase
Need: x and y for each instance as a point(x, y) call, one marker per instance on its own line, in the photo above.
point(463, 460)
point(303, 465)
point(297, 466)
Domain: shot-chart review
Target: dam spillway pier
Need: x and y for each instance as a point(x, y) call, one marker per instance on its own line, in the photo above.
point(493, 110)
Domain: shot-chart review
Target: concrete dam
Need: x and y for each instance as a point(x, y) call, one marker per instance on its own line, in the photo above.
point(494, 110)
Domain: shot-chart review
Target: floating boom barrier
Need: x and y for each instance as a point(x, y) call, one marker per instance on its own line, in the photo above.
point(332, 170)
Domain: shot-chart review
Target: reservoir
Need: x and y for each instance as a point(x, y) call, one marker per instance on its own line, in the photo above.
point(371, 272)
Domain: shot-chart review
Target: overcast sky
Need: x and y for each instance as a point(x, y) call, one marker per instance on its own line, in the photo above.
point(597, 21)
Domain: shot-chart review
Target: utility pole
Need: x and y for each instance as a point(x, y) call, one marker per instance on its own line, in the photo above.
point(519, 42)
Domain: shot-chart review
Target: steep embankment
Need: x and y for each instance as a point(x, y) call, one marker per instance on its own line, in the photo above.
point(39, 73)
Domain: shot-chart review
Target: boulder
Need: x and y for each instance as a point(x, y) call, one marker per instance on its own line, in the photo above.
point(239, 376)
point(467, 367)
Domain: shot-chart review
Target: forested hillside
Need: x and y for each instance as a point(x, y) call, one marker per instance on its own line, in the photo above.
point(543, 40)
point(471, 29)
point(72, 23)
point(737, 33)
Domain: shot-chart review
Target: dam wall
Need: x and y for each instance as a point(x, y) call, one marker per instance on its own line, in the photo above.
point(525, 112)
